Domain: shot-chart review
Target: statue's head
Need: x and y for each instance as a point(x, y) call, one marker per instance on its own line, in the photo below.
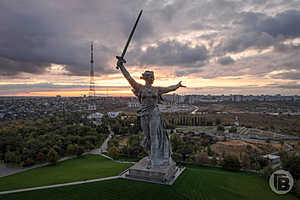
point(148, 76)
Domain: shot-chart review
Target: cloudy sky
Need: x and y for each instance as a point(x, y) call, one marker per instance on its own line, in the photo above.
point(213, 46)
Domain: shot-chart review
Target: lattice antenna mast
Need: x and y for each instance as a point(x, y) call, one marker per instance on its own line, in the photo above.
point(92, 92)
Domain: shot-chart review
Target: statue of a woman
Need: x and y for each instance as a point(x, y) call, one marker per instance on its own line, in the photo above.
point(156, 140)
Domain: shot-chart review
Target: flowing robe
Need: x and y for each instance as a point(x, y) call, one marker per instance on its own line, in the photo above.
point(156, 139)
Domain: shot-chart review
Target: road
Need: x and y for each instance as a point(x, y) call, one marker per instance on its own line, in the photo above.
point(195, 111)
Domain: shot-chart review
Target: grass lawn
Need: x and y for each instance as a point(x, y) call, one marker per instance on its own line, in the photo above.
point(77, 169)
point(194, 183)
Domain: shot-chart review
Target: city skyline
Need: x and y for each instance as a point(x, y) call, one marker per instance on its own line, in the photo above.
point(215, 47)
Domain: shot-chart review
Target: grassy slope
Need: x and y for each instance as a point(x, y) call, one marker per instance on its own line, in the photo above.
point(78, 169)
point(194, 183)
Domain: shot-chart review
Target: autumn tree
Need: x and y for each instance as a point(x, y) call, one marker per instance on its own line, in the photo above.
point(52, 156)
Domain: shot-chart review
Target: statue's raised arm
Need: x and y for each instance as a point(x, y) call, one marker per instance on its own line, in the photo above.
point(127, 75)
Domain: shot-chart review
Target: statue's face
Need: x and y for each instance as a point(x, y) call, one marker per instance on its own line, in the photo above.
point(150, 79)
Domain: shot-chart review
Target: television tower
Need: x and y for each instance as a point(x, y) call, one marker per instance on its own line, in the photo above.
point(92, 92)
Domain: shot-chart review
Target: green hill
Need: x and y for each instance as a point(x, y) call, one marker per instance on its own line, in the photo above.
point(77, 169)
point(194, 183)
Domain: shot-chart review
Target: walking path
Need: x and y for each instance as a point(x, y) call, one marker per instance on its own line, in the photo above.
point(104, 146)
point(73, 183)
point(60, 185)
point(6, 170)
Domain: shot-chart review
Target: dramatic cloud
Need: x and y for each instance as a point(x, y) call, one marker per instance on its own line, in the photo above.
point(283, 24)
point(225, 60)
point(260, 31)
point(288, 75)
point(200, 39)
point(172, 53)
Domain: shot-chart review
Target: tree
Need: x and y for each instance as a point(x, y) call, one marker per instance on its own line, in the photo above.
point(209, 151)
point(231, 162)
point(214, 160)
point(28, 162)
point(52, 156)
point(71, 149)
point(114, 153)
point(202, 158)
point(40, 157)
point(245, 161)
point(292, 164)
point(218, 121)
point(79, 150)
point(220, 128)
point(176, 141)
point(209, 123)
point(268, 170)
point(177, 157)
point(134, 147)
point(12, 157)
point(113, 142)
point(297, 191)
point(232, 129)
point(263, 162)
point(186, 149)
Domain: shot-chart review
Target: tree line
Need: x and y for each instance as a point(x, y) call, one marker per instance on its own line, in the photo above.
point(28, 142)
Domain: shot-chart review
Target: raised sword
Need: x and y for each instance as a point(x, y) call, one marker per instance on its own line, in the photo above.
point(129, 39)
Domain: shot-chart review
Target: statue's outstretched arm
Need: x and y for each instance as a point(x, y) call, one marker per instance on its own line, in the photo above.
point(126, 74)
point(163, 90)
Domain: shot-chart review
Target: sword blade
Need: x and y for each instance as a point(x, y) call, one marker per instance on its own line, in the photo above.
point(131, 34)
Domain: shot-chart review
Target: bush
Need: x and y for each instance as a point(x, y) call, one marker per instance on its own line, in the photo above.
point(114, 153)
point(52, 156)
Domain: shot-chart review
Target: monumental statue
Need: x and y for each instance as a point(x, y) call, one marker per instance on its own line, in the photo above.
point(156, 140)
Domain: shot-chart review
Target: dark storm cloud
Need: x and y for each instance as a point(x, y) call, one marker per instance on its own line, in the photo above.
point(172, 53)
point(283, 24)
point(36, 34)
point(9, 67)
point(225, 60)
point(258, 30)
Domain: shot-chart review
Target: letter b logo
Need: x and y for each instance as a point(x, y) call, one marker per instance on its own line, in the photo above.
point(281, 182)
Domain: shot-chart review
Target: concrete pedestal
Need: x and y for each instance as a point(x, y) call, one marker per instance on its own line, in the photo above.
point(166, 174)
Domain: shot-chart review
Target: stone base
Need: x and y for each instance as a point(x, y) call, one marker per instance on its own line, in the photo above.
point(157, 174)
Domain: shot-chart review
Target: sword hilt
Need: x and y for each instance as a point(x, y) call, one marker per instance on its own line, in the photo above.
point(120, 59)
